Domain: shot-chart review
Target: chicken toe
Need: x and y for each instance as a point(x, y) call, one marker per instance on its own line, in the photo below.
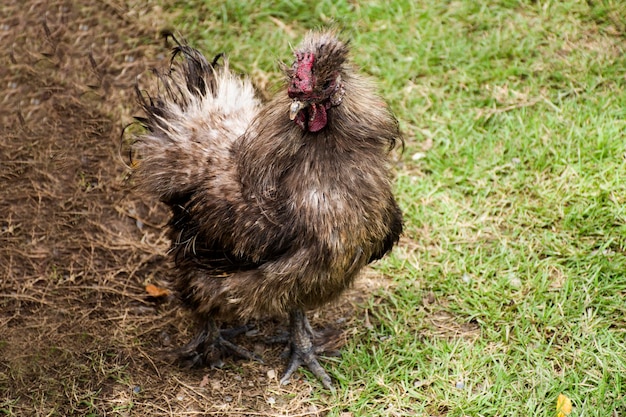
point(303, 352)
point(211, 345)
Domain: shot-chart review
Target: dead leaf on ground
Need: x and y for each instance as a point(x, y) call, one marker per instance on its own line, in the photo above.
point(154, 291)
point(563, 406)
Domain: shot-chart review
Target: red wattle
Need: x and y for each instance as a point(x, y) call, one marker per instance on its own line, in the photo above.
point(313, 118)
point(317, 118)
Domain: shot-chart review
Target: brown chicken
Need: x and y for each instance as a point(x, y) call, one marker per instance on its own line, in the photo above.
point(276, 206)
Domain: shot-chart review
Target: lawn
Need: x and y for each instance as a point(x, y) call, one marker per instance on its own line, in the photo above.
point(509, 284)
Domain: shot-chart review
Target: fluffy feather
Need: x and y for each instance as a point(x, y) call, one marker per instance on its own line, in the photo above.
point(270, 215)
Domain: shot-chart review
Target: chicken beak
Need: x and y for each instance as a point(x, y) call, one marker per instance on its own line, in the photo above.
point(295, 108)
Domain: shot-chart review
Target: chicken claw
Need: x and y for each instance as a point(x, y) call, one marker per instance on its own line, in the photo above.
point(211, 345)
point(302, 350)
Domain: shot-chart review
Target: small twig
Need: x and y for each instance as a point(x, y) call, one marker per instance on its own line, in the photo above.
point(145, 355)
point(487, 114)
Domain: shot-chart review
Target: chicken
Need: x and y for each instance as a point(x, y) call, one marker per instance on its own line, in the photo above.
point(277, 206)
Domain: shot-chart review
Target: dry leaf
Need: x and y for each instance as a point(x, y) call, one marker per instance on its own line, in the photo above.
point(155, 291)
point(563, 406)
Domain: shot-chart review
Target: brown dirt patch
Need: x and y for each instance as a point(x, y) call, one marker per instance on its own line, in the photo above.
point(78, 334)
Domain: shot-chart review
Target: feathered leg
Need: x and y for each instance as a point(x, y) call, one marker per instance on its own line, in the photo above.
point(211, 345)
point(302, 349)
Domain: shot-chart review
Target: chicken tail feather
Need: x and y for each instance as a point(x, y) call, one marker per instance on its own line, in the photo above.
point(193, 112)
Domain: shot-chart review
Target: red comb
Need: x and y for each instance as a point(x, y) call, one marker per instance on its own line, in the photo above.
point(303, 77)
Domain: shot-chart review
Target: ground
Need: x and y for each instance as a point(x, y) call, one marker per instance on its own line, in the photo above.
point(505, 295)
point(79, 335)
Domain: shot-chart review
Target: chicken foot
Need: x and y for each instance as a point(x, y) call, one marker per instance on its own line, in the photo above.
point(303, 351)
point(211, 345)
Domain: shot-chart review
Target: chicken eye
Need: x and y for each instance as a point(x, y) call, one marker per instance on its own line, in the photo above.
point(327, 84)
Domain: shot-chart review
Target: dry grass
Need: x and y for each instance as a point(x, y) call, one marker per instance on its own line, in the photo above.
point(78, 333)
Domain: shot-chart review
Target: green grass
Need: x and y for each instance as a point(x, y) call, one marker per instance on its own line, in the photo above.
point(510, 285)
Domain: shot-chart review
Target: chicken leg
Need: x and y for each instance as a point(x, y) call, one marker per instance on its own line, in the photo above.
point(211, 345)
point(303, 350)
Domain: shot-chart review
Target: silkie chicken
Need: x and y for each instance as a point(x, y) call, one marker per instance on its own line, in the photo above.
point(277, 206)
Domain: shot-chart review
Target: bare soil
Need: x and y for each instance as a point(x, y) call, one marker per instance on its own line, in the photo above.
point(79, 335)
